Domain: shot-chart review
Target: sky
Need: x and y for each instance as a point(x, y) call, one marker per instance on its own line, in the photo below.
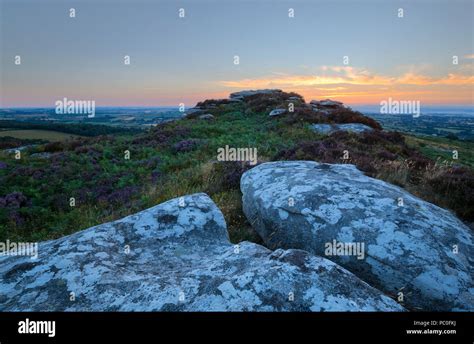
point(177, 60)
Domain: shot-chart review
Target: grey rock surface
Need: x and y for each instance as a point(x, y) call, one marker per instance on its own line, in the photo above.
point(327, 129)
point(246, 93)
point(326, 107)
point(276, 112)
point(206, 116)
point(326, 103)
point(176, 256)
point(192, 111)
point(409, 245)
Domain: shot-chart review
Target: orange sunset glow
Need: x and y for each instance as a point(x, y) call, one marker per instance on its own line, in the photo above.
point(360, 86)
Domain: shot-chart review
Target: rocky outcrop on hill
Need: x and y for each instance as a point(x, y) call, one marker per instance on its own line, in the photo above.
point(247, 93)
point(213, 103)
point(292, 108)
point(398, 243)
point(176, 256)
point(210, 104)
point(326, 106)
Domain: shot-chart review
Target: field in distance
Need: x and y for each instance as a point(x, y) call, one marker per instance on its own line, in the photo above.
point(443, 148)
point(35, 134)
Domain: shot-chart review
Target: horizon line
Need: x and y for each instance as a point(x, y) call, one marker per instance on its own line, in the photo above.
point(177, 106)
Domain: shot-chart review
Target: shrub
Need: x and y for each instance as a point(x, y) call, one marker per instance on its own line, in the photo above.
point(456, 185)
point(54, 147)
point(370, 151)
point(14, 200)
point(7, 142)
point(186, 145)
point(225, 176)
point(345, 115)
point(265, 102)
point(150, 163)
point(304, 115)
point(161, 135)
point(382, 137)
point(11, 204)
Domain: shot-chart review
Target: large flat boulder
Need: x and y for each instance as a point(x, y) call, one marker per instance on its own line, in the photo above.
point(247, 93)
point(398, 243)
point(326, 103)
point(277, 112)
point(326, 129)
point(326, 107)
point(176, 256)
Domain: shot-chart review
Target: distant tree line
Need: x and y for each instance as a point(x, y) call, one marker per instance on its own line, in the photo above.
point(7, 142)
point(70, 128)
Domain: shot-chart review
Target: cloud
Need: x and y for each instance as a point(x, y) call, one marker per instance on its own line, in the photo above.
point(329, 75)
point(359, 85)
point(337, 75)
point(450, 79)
